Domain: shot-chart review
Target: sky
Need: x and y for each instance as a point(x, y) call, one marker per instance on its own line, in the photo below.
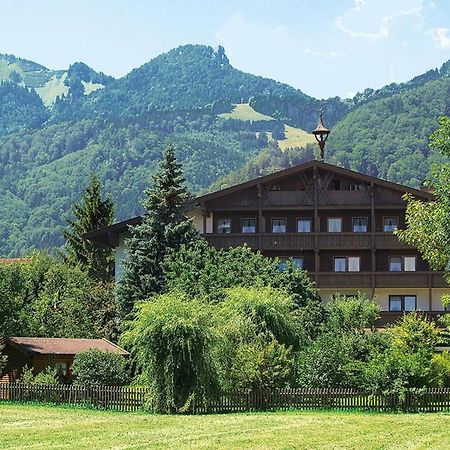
point(325, 48)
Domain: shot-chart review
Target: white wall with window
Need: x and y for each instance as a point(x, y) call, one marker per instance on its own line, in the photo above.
point(399, 303)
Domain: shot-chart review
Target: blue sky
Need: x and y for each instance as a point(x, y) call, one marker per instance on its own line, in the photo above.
point(324, 48)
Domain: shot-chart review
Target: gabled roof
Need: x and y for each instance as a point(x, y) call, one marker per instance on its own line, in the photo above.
point(62, 346)
point(14, 260)
point(320, 165)
point(120, 227)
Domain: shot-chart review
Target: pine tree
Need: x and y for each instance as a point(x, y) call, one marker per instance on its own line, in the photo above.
point(91, 212)
point(164, 228)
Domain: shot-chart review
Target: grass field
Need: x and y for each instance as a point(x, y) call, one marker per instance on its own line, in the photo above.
point(295, 137)
point(45, 427)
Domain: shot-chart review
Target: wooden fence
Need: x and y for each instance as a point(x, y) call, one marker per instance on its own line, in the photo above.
point(138, 398)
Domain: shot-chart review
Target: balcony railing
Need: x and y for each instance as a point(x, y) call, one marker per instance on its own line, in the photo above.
point(357, 280)
point(389, 317)
point(306, 241)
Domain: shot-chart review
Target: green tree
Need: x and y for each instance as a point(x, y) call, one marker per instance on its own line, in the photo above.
point(94, 367)
point(428, 223)
point(164, 229)
point(170, 340)
point(201, 271)
point(91, 212)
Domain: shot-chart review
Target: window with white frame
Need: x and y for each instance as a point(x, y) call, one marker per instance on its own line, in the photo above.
point(249, 225)
point(279, 225)
point(334, 224)
point(360, 224)
point(224, 226)
point(353, 263)
point(398, 303)
point(390, 224)
point(402, 264)
point(347, 264)
point(304, 225)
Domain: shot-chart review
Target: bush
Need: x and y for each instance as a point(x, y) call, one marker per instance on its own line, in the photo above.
point(47, 376)
point(262, 364)
point(94, 367)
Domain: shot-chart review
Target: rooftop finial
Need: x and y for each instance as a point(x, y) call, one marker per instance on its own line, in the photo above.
point(321, 134)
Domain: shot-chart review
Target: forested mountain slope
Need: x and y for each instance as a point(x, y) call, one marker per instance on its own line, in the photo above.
point(58, 126)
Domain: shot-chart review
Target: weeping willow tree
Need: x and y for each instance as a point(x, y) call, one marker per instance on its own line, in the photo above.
point(170, 340)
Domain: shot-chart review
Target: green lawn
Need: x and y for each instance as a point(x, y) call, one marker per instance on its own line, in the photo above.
point(43, 427)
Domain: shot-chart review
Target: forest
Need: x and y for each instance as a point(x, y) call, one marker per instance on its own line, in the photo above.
point(118, 127)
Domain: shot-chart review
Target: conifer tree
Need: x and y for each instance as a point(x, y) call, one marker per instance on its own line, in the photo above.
point(91, 212)
point(164, 228)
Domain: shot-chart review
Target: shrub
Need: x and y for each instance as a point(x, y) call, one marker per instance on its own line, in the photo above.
point(261, 364)
point(47, 376)
point(95, 367)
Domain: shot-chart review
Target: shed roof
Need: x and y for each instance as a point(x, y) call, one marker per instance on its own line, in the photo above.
point(63, 346)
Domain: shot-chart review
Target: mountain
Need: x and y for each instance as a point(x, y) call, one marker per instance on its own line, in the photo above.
point(58, 126)
point(51, 84)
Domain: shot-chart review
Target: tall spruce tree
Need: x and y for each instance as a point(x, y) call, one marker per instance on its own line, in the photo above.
point(91, 212)
point(164, 228)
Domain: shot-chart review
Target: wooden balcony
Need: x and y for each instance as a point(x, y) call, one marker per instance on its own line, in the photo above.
point(353, 280)
point(389, 317)
point(306, 241)
point(356, 280)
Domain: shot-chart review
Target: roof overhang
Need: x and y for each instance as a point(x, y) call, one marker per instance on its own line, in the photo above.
point(110, 235)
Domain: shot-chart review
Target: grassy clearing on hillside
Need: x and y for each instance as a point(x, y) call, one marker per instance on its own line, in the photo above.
point(243, 111)
point(33, 427)
point(295, 137)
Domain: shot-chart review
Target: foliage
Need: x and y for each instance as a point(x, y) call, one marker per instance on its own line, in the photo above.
point(428, 223)
point(408, 360)
point(48, 376)
point(261, 364)
point(170, 340)
point(257, 331)
point(163, 230)
point(343, 344)
point(94, 367)
point(201, 271)
point(20, 108)
point(45, 297)
point(91, 213)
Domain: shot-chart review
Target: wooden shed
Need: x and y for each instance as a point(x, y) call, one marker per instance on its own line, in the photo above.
point(40, 353)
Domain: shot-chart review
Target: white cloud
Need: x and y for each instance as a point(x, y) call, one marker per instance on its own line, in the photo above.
point(441, 37)
point(362, 15)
